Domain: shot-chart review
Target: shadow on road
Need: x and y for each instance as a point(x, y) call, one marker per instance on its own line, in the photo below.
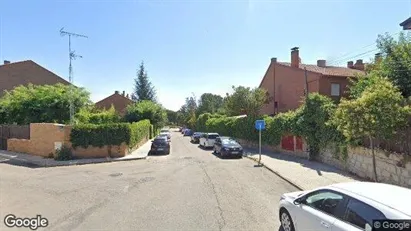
point(157, 154)
point(20, 163)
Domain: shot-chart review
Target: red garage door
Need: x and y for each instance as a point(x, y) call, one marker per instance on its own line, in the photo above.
point(287, 143)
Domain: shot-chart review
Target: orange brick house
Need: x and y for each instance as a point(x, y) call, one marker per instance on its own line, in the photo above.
point(25, 72)
point(119, 101)
point(285, 81)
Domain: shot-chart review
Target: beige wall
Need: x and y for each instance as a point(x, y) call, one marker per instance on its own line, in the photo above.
point(43, 137)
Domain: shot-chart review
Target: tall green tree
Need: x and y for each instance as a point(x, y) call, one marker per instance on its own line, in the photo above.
point(147, 109)
point(171, 116)
point(45, 103)
point(245, 100)
point(143, 88)
point(396, 61)
point(210, 103)
point(376, 114)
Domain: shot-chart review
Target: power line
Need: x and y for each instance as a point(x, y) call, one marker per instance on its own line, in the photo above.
point(344, 57)
point(72, 56)
point(353, 57)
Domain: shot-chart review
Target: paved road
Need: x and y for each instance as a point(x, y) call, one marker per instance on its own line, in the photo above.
point(191, 189)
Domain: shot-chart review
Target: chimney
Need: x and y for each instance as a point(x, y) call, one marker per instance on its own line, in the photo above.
point(6, 62)
point(321, 63)
point(295, 57)
point(127, 96)
point(350, 64)
point(273, 60)
point(124, 93)
point(359, 65)
point(117, 92)
point(378, 57)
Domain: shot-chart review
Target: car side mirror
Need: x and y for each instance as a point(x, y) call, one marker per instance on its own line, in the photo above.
point(298, 201)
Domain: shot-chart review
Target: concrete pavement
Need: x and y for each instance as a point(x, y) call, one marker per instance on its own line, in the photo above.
point(302, 173)
point(190, 189)
point(27, 160)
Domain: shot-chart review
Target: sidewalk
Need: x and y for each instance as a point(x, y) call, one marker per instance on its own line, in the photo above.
point(27, 160)
point(300, 172)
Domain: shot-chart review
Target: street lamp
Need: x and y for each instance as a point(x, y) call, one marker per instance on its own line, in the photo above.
point(406, 25)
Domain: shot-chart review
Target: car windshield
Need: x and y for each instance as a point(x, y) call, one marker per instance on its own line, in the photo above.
point(229, 142)
point(213, 136)
point(160, 140)
point(164, 131)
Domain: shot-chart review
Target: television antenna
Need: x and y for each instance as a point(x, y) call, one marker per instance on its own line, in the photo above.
point(72, 56)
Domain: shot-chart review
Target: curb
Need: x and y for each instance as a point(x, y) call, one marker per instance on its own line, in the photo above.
point(276, 173)
point(45, 165)
point(96, 162)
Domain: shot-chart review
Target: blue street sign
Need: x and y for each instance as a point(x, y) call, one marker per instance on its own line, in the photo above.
point(260, 125)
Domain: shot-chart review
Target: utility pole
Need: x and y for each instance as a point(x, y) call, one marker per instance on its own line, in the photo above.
point(72, 56)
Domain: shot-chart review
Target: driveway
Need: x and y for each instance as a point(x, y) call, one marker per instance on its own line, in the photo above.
point(190, 189)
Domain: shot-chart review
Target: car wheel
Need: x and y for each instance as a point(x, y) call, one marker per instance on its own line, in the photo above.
point(286, 221)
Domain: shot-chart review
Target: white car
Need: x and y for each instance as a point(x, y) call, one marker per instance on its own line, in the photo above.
point(207, 140)
point(166, 132)
point(345, 206)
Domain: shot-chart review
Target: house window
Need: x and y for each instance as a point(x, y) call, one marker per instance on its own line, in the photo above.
point(335, 89)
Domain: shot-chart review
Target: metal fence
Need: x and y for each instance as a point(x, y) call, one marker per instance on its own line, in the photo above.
point(13, 131)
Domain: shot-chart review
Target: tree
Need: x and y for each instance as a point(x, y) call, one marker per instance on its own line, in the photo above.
point(209, 103)
point(147, 109)
point(97, 116)
point(376, 114)
point(143, 89)
point(45, 103)
point(245, 101)
point(396, 61)
point(312, 122)
point(171, 116)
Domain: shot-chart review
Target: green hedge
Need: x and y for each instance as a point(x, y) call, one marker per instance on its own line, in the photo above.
point(139, 131)
point(98, 135)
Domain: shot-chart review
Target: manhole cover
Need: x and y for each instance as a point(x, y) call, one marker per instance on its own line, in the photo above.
point(116, 174)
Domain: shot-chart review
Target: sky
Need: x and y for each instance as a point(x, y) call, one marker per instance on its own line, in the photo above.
point(190, 46)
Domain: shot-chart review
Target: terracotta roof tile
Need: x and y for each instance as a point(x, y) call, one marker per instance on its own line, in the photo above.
point(328, 70)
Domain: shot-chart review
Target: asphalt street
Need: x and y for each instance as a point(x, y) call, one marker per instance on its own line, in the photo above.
point(190, 189)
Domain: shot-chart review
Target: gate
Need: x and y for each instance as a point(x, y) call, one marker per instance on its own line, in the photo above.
point(13, 131)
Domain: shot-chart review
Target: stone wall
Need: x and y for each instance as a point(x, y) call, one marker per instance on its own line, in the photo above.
point(391, 168)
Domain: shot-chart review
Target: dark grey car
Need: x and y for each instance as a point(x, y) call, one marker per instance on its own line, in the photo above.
point(227, 146)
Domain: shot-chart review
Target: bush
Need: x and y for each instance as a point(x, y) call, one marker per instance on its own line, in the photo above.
point(84, 135)
point(139, 131)
point(147, 110)
point(93, 116)
point(64, 153)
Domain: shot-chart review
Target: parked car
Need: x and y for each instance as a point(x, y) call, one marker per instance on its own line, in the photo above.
point(160, 145)
point(183, 130)
point(227, 146)
point(188, 132)
point(167, 132)
point(345, 206)
point(166, 136)
point(195, 138)
point(207, 140)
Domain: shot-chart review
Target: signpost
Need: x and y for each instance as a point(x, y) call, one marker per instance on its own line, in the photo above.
point(259, 125)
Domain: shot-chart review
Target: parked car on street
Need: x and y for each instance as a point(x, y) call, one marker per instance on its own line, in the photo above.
point(207, 140)
point(227, 146)
point(188, 132)
point(160, 145)
point(195, 138)
point(165, 135)
point(345, 206)
point(167, 132)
